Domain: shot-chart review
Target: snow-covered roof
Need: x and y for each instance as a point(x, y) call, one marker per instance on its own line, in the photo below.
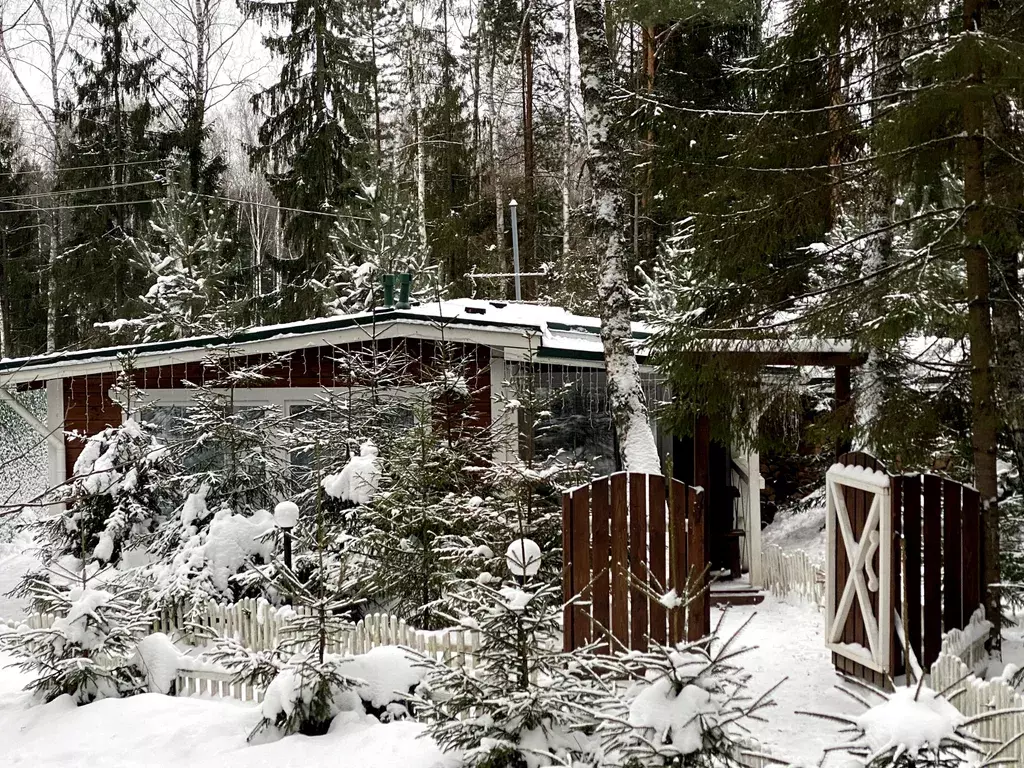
point(519, 329)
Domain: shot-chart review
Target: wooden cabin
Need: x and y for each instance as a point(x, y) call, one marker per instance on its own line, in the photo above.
point(496, 340)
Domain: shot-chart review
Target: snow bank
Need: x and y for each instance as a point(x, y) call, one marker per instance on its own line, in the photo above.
point(800, 528)
point(172, 732)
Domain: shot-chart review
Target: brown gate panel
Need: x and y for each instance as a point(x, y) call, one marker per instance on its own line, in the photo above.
point(936, 525)
point(628, 538)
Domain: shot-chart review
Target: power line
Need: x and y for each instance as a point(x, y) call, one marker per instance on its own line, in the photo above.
point(83, 190)
point(8, 174)
point(37, 209)
point(283, 207)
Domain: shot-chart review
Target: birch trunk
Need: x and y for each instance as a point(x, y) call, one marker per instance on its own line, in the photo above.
point(607, 173)
point(984, 414)
point(566, 127)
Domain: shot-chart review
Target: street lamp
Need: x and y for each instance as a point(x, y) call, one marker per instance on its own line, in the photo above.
point(286, 515)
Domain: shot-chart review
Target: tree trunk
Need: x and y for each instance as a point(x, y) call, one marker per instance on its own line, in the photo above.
point(528, 250)
point(886, 80)
point(492, 135)
point(984, 414)
point(566, 127)
point(607, 173)
point(834, 76)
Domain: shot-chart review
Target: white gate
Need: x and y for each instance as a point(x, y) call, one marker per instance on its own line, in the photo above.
point(859, 526)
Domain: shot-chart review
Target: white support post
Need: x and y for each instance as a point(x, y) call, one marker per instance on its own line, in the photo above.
point(756, 482)
point(55, 447)
point(503, 423)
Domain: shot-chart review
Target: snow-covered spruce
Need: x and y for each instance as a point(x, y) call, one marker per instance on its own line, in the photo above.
point(120, 490)
point(516, 709)
point(684, 707)
point(87, 653)
point(914, 727)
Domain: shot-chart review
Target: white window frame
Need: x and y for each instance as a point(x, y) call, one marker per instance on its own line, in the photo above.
point(281, 398)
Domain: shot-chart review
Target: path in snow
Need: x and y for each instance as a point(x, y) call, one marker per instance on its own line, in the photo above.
point(789, 640)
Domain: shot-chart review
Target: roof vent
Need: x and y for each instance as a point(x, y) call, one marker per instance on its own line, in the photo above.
point(476, 311)
point(499, 304)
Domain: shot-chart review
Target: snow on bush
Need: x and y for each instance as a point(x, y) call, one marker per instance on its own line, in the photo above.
point(86, 652)
point(914, 727)
point(158, 660)
point(358, 480)
point(307, 694)
point(388, 676)
point(204, 564)
point(682, 709)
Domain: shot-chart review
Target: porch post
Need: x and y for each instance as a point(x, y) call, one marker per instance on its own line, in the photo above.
point(843, 398)
point(702, 477)
point(56, 456)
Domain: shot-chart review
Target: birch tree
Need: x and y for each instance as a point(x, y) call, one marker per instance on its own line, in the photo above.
point(607, 176)
point(26, 55)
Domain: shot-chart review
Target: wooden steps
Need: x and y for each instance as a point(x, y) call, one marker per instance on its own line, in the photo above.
point(730, 593)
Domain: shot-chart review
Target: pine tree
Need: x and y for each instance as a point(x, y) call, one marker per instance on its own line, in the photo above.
point(87, 652)
point(380, 242)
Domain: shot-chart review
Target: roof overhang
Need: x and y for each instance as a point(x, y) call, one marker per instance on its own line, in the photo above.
point(517, 331)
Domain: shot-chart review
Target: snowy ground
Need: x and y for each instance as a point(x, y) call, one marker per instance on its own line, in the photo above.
point(801, 527)
point(155, 731)
point(789, 644)
point(16, 558)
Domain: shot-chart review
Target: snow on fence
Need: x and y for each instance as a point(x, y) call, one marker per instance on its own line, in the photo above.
point(785, 574)
point(962, 652)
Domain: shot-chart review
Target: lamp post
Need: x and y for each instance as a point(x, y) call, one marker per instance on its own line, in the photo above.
point(286, 515)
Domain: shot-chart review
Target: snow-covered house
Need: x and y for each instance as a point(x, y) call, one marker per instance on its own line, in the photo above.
point(496, 340)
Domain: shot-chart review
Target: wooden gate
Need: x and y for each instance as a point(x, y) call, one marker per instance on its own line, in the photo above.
point(627, 540)
point(872, 518)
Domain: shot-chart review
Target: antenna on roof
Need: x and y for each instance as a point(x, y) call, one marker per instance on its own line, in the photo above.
point(512, 205)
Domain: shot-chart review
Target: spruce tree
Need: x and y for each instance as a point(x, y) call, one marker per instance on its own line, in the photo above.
point(309, 140)
point(115, 140)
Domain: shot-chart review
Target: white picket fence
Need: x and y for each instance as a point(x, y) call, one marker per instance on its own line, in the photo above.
point(789, 574)
point(953, 672)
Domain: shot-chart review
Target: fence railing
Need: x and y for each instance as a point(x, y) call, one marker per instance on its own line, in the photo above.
point(789, 574)
point(953, 671)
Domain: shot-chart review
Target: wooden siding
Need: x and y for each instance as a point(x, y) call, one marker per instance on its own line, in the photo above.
point(88, 408)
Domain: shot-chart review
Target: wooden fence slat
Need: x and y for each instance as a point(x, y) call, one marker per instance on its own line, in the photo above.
point(581, 565)
point(638, 560)
point(699, 618)
point(620, 560)
point(567, 584)
point(912, 535)
point(971, 548)
point(952, 556)
point(679, 567)
point(657, 530)
point(932, 550)
point(600, 566)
